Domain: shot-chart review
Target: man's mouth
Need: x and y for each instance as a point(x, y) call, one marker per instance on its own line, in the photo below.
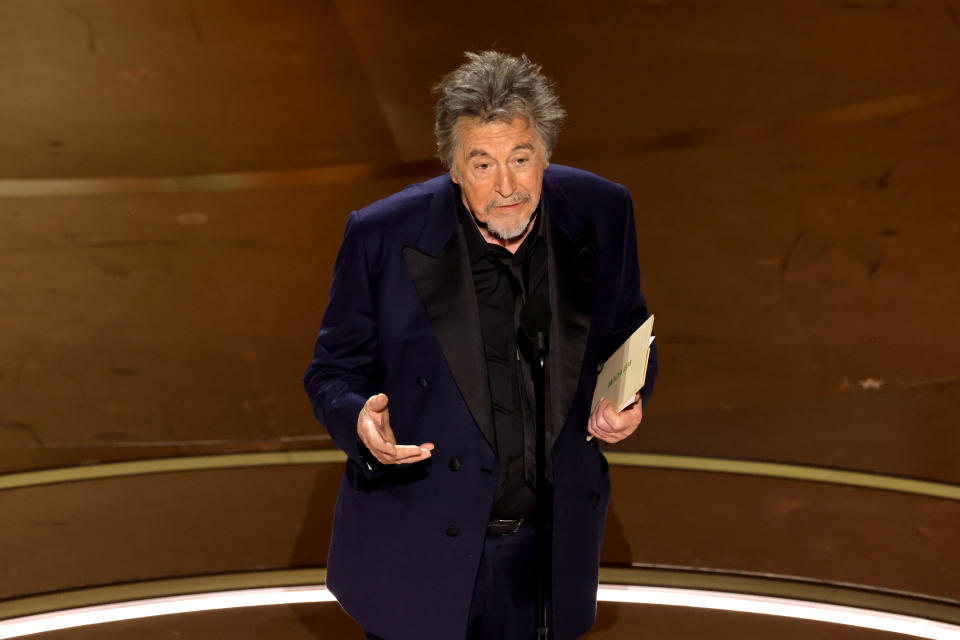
point(510, 206)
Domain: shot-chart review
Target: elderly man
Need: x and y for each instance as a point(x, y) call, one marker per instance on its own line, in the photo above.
point(421, 376)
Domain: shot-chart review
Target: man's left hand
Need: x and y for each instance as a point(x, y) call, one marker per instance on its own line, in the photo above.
point(608, 425)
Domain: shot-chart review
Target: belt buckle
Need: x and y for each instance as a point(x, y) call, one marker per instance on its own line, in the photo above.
point(504, 527)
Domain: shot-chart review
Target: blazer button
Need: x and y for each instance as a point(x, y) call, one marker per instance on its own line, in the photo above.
point(596, 500)
point(454, 464)
point(452, 531)
point(422, 381)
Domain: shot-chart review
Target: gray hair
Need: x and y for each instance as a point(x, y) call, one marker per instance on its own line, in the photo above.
point(493, 86)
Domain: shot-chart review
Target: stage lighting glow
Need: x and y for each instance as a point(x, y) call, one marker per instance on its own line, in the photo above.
point(744, 603)
point(767, 605)
point(132, 610)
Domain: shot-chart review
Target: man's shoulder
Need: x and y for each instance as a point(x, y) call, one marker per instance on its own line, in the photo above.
point(577, 197)
point(421, 215)
point(397, 208)
point(576, 183)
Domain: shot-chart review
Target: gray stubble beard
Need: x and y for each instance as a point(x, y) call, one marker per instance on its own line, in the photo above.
point(505, 234)
point(509, 233)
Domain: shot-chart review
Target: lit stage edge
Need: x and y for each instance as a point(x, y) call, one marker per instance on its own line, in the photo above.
point(622, 593)
point(804, 473)
point(864, 607)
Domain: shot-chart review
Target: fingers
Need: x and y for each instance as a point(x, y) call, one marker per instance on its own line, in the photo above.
point(373, 429)
point(376, 403)
point(408, 453)
point(390, 453)
point(592, 421)
point(610, 426)
point(593, 427)
point(405, 454)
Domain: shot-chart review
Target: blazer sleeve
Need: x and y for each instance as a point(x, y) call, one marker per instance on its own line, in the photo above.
point(345, 371)
point(632, 308)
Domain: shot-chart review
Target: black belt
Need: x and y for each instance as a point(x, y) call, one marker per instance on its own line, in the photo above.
point(500, 527)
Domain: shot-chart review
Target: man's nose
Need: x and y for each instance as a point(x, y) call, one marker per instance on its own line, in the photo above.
point(506, 182)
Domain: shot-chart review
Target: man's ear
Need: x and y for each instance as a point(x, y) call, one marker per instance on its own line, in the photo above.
point(453, 175)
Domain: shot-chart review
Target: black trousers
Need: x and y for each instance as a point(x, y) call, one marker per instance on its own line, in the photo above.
point(503, 606)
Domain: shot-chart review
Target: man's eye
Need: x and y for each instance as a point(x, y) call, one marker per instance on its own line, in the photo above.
point(522, 160)
point(483, 166)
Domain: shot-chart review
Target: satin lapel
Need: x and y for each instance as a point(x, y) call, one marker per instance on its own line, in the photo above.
point(571, 271)
point(445, 285)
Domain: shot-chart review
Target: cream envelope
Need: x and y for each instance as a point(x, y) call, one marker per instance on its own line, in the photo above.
point(624, 373)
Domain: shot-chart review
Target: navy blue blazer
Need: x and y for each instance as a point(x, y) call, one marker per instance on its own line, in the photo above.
point(402, 319)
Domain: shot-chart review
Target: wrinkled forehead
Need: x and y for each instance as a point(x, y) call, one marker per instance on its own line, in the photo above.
point(499, 135)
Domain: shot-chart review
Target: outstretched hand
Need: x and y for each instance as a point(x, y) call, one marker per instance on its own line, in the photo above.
point(373, 428)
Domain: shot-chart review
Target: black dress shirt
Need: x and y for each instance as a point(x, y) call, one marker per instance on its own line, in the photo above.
point(503, 282)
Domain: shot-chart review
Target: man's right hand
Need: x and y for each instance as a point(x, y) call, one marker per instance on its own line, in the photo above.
point(373, 428)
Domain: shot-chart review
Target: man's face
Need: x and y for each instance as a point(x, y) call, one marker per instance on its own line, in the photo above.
point(499, 167)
